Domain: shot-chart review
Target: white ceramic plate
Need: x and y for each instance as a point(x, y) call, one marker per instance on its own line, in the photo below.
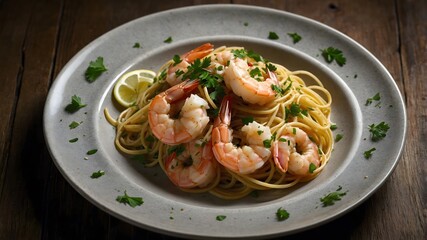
point(170, 211)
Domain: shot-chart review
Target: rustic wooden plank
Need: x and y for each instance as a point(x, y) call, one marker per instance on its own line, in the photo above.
point(413, 45)
point(30, 48)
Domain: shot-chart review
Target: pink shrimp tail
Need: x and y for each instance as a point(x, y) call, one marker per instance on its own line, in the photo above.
point(180, 91)
point(198, 52)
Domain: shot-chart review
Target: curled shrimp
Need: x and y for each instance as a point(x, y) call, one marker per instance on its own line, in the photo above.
point(247, 158)
point(195, 166)
point(239, 80)
point(176, 70)
point(295, 152)
point(192, 118)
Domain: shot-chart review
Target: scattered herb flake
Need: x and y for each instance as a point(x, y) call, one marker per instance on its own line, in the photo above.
point(137, 45)
point(247, 120)
point(221, 217)
point(95, 69)
point(131, 201)
point(312, 168)
point(378, 131)
point(376, 97)
point(333, 127)
point(338, 137)
point(76, 104)
point(368, 154)
point(91, 152)
point(97, 174)
point(245, 24)
point(278, 89)
point(295, 37)
point(168, 40)
point(330, 54)
point(73, 125)
point(73, 140)
point(332, 197)
point(273, 36)
point(178, 149)
point(282, 214)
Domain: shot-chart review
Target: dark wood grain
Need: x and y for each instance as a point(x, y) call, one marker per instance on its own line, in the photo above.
point(37, 38)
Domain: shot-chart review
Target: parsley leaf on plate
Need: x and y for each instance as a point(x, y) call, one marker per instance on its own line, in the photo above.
point(330, 54)
point(378, 131)
point(76, 104)
point(95, 69)
point(131, 201)
point(273, 36)
point(332, 197)
point(295, 37)
point(97, 174)
point(221, 217)
point(368, 154)
point(376, 97)
point(282, 214)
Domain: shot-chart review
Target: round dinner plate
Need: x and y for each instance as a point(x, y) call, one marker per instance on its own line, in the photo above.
point(170, 211)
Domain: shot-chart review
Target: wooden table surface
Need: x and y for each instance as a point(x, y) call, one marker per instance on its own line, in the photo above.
point(37, 38)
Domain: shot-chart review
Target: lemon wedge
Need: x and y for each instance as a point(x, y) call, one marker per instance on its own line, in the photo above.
point(131, 84)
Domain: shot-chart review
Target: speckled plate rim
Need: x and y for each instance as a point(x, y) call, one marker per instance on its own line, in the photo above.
point(363, 74)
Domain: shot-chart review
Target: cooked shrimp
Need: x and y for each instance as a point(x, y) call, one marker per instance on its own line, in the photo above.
point(192, 118)
point(194, 166)
point(295, 152)
point(247, 158)
point(239, 80)
point(186, 59)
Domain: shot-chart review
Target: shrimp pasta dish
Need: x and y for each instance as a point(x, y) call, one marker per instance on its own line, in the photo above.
point(229, 122)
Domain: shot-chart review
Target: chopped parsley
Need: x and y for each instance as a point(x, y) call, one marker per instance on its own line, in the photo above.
point(267, 142)
point(278, 89)
point(378, 131)
point(376, 97)
point(242, 53)
point(137, 45)
point(73, 125)
point(176, 60)
point(333, 127)
point(296, 111)
point(330, 54)
point(168, 40)
point(95, 69)
point(91, 152)
point(311, 168)
point(332, 197)
point(97, 174)
point(273, 36)
point(221, 217)
point(73, 140)
point(76, 104)
point(131, 201)
point(368, 154)
point(295, 37)
point(282, 214)
point(247, 120)
point(338, 137)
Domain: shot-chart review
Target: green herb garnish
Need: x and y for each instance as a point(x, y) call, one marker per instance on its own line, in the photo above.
point(332, 197)
point(330, 54)
point(376, 97)
point(311, 168)
point(97, 174)
point(168, 40)
point(137, 45)
point(333, 127)
point(73, 140)
point(273, 36)
point(295, 37)
point(338, 137)
point(76, 104)
point(91, 152)
point(73, 125)
point(131, 201)
point(221, 217)
point(378, 131)
point(247, 120)
point(368, 154)
point(282, 214)
point(95, 69)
